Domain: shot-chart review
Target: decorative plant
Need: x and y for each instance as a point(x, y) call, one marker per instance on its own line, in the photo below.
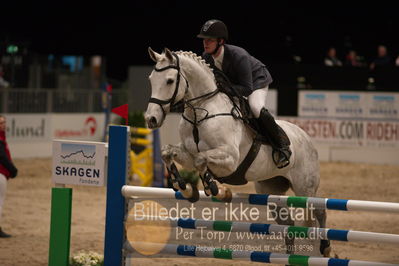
point(191, 177)
point(83, 258)
point(135, 119)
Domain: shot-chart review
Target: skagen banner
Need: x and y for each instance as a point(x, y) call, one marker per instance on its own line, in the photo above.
point(349, 104)
point(79, 163)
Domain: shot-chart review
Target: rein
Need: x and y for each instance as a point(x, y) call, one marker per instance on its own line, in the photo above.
point(235, 113)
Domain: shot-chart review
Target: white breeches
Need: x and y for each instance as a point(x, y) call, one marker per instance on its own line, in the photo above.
point(257, 100)
point(3, 189)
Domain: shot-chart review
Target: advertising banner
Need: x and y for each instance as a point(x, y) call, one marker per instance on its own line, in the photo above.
point(88, 126)
point(383, 106)
point(79, 163)
point(347, 104)
point(31, 135)
point(350, 132)
point(28, 127)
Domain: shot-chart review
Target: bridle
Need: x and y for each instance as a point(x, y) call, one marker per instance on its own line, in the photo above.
point(235, 112)
point(171, 101)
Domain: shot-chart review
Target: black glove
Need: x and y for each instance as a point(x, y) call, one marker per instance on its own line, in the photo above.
point(224, 87)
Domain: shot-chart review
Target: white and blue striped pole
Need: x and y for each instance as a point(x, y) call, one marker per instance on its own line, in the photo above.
point(266, 199)
point(267, 229)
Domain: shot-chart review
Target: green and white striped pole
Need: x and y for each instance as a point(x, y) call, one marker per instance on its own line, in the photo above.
point(255, 256)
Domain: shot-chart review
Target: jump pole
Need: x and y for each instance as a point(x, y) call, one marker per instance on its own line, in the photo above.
point(61, 205)
point(266, 199)
point(267, 229)
point(116, 207)
point(255, 256)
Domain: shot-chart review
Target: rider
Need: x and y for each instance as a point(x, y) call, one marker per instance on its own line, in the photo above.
point(248, 77)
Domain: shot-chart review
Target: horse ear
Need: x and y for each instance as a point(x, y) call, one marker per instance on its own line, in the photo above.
point(154, 55)
point(168, 54)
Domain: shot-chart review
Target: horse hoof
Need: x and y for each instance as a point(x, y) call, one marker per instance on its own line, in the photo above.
point(207, 191)
point(325, 248)
point(228, 196)
point(327, 252)
point(174, 188)
point(224, 194)
point(194, 196)
point(175, 185)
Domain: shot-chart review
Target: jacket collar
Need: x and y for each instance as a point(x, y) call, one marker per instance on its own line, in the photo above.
point(226, 58)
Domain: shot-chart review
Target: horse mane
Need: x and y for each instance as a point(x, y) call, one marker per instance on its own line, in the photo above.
point(196, 58)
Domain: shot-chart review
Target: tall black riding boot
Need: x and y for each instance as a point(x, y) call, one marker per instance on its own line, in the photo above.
point(277, 138)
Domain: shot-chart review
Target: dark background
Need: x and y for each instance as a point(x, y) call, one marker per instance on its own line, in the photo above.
point(122, 31)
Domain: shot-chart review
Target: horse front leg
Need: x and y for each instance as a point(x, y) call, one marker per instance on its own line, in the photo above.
point(224, 161)
point(177, 153)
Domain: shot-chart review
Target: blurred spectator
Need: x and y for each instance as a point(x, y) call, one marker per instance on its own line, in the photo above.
point(382, 59)
point(7, 168)
point(397, 61)
point(331, 58)
point(3, 82)
point(352, 59)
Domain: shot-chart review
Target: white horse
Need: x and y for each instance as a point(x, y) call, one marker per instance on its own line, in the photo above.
point(215, 142)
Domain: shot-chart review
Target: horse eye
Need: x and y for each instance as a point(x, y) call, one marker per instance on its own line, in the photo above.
point(169, 81)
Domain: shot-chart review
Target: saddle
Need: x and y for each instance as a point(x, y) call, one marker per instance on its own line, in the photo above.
point(253, 123)
point(261, 137)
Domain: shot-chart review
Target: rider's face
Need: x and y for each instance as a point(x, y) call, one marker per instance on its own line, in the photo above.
point(210, 45)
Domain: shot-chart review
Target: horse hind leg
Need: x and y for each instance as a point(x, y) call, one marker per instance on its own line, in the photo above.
point(321, 216)
point(318, 217)
point(278, 185)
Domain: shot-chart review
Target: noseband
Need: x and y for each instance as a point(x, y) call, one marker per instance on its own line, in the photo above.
point(171, 101)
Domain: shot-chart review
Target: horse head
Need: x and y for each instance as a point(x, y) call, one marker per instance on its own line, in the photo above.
point(168, 86)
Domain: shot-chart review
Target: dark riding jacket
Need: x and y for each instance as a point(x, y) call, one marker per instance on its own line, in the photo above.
point(245, 72)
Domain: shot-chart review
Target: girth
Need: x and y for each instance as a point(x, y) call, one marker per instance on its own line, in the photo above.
point(238, 177)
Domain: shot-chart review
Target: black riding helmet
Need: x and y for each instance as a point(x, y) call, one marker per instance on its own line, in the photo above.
point(214, 29)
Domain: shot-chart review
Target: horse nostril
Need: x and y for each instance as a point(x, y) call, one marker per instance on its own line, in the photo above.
point(152, 122)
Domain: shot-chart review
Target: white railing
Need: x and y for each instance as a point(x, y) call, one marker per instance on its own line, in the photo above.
point(56, 101)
